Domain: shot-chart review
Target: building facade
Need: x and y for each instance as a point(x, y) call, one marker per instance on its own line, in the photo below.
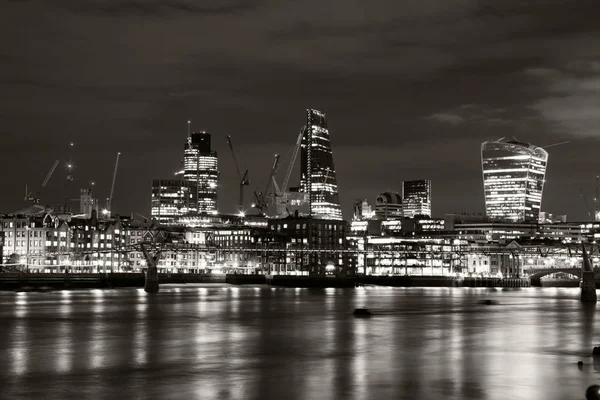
point(308, 246)
point(513, 180)
point(388, 206)
point(317, 172)
point(416, 198)
point(201, 174)
point(169, 200)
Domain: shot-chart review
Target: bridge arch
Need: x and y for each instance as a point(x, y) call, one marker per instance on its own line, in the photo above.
point(548, 271)
point(540, 273)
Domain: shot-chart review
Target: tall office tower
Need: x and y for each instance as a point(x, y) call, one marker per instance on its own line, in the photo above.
point(168, 200)
point(200, 174)
point(416, 198)
point(87, 203)
point(317, 172)
point(513, 179)
point(388, 206)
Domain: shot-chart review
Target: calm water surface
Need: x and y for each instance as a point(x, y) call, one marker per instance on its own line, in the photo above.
point(222, 342)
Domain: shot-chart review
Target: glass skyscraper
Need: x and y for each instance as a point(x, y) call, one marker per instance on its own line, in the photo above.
point(416, 198)
point(200, 174)
point(317, 172)
point(168, 200)
point(513, 180)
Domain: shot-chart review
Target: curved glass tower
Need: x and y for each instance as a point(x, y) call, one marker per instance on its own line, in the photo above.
point(317, 172)
point(513, 180)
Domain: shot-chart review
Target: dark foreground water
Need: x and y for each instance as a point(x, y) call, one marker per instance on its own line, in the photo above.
point(225, 342)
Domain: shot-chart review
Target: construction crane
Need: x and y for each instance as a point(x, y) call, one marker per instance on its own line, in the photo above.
point(70, 165)
point(108, 210)
point(288, 172)
point(243, 178)
point(555, 144)
point(28, 195)
point(261, 197)
point(282, 194)
point(587, 207)
point(596, 213)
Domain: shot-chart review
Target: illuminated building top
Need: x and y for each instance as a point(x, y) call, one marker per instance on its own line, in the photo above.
point(513, 180)
point(318, 176)
point(201, 174)
point(416, 198)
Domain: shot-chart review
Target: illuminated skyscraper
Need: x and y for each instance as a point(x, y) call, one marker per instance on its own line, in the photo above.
point(513, 180)
point(317, 172)
point(416, 198)
point(200, 174)
point(169, 200)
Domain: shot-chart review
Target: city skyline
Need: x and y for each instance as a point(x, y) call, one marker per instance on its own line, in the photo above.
point(539, 78)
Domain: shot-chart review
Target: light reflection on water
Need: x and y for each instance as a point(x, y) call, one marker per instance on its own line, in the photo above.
point(227, 342)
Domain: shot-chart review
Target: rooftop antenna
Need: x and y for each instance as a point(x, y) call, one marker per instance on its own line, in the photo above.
point(189, 127)
point(555, 144)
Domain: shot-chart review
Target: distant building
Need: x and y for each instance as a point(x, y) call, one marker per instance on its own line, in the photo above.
point(318, 177)
point(416, 198)
point(362, 210)
point(513, 180)
point(169, 200)
point(388, 206)
point(200, 174)
point(548, 218)
point(87, 203)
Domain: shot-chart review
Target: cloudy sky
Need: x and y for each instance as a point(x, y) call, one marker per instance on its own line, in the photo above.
point(411, 88)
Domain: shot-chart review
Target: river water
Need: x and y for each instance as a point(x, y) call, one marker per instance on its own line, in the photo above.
point(224, 342)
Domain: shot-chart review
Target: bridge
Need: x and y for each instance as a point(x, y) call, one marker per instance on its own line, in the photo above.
point(537, 273)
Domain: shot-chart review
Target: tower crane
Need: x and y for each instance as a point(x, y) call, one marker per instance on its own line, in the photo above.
point(587, 207)
point(243, 178)
point(261, 197)
point(28, 195)
point(288, 172)
point(108, 210)
point(282, 193)
point(69, 165)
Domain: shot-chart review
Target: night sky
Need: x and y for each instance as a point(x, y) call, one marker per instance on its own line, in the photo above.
point(410, 88)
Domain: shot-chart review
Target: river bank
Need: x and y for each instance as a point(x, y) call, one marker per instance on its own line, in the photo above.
point(46, 282)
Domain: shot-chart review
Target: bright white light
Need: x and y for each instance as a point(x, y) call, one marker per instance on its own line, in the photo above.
point(105, 212)
point(242, 214)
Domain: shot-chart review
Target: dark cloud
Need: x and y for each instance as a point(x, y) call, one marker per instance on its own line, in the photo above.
point(163, 8)
point(410, 88)
point(572, 98)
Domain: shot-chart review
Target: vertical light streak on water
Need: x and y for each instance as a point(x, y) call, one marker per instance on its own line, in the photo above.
point(140, 333)
point(359, 362)
point(19, 353)
point(63, 351)
point(234, 302)
point(97, 339)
